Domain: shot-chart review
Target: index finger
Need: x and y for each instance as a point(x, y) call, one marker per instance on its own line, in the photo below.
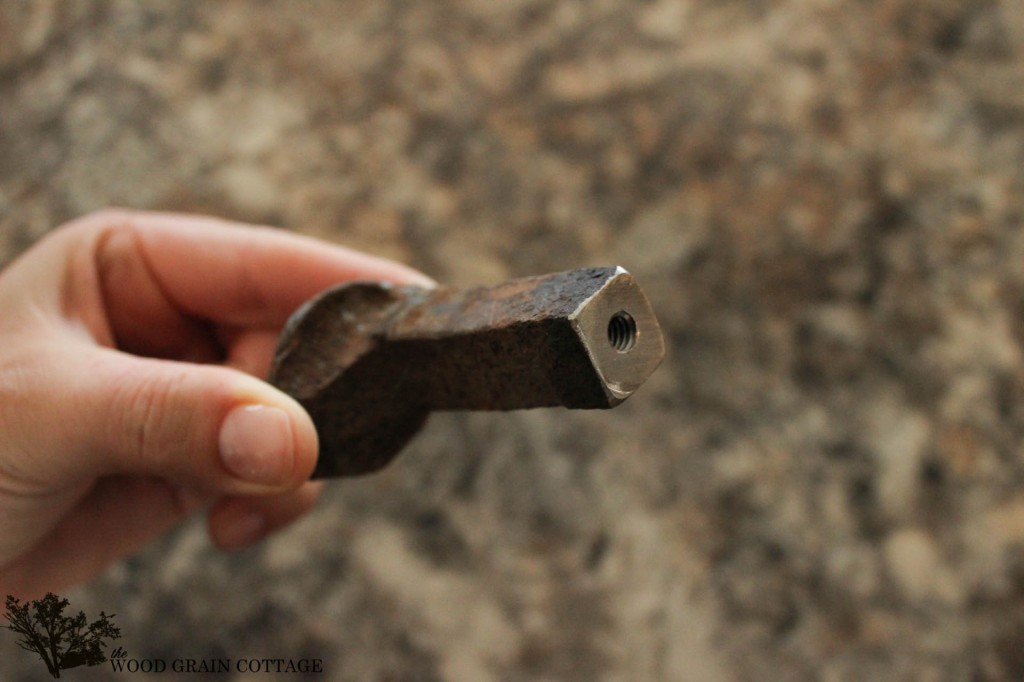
point(237, 274)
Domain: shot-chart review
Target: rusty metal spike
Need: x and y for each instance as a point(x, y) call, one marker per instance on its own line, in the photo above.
point(370, 361)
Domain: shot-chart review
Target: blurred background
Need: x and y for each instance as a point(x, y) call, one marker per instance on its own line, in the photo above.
point(823, 199)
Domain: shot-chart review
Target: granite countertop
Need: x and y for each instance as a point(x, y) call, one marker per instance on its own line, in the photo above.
point(824, 480)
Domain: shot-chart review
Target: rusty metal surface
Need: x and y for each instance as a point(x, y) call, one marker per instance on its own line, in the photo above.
point(370, 361)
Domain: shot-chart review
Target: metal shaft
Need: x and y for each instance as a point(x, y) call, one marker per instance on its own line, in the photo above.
point(370, 361)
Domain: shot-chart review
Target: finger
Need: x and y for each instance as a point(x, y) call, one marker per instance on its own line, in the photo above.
point(227, 272)
point(116, 518)
point(238, 522)
point(250, 350)
point(213, 427)
point(140, 317)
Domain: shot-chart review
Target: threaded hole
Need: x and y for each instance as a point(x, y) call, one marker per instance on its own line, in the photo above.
point(622, 331)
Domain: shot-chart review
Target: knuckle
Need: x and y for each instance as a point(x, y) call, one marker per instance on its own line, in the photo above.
point(152, 425)
point(112, 216)
point(96, 225)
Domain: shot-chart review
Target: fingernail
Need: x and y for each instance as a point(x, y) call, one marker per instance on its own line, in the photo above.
point(241, 529)
point(419, 279)
point(256, 444)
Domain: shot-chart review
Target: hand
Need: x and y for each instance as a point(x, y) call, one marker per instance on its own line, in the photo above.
point(130, 344)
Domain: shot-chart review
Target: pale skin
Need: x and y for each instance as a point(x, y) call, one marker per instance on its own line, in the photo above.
point(132, 351)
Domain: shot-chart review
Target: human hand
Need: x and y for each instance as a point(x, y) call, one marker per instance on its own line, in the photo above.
point(130, 344)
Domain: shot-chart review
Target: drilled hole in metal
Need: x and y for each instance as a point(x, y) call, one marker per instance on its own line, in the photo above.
point(622, 331)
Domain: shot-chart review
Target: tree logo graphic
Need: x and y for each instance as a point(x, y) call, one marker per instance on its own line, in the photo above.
point(61, 641)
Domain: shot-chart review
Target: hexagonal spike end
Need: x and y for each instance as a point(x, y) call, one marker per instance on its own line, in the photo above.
point(621, 334)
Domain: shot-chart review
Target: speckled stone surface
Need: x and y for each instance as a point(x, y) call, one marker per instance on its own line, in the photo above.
point(823, 200)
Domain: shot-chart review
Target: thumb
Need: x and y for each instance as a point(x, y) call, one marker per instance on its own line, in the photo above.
point(209, 426)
